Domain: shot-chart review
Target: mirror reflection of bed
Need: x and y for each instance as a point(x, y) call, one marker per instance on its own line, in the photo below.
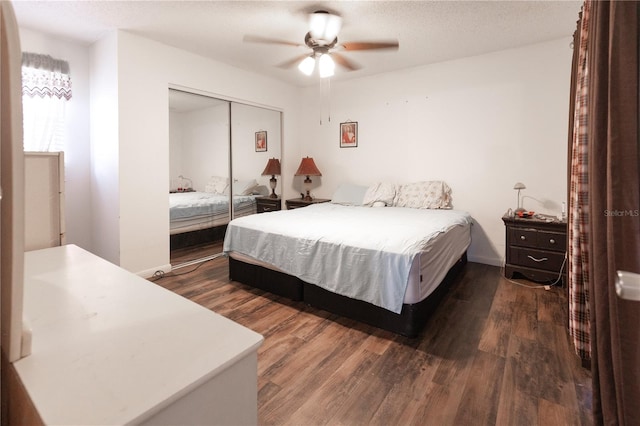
point(206, 189)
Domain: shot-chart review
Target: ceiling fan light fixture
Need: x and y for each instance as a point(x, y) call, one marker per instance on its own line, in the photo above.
point(324, 26)
point(326, 66)
point(307, 65)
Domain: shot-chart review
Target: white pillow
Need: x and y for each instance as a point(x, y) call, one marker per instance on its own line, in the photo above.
point(217, 185)
point(244, 187)
point(380, 194)
point(349, 194)
point(424, 195)
point(261, 190)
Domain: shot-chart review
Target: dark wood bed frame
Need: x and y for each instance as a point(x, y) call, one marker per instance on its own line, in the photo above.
point(408, 323)
point(198, 237)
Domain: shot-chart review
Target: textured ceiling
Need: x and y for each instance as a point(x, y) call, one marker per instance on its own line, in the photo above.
point(428, 31)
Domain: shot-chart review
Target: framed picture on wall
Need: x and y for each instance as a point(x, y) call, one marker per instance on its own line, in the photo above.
point(349, 134)
point(261, 141)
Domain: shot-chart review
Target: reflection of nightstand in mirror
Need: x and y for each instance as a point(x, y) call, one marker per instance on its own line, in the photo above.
point(295, 203)
point(268, 204)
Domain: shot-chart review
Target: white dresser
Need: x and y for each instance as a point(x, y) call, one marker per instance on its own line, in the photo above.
point(110, 347)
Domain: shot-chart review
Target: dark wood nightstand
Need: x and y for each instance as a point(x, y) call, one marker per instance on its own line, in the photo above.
point(296, 203)
point(535, 248)
point(268, 204)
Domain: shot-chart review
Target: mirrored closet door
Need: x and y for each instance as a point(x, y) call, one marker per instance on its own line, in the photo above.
point(218, 152)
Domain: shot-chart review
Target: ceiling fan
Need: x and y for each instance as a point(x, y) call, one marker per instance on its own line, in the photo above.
point(322, 39)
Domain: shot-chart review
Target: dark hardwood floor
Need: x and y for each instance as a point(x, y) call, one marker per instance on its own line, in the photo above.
point(494, 352)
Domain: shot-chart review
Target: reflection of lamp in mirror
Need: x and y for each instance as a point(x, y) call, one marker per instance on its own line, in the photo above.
point(273, 169)
point(184, 184)
point(308, 168)
point(519, 186)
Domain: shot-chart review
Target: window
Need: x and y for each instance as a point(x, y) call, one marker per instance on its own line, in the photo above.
point(46, 88)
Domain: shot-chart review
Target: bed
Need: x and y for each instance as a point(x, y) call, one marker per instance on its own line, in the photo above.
point(197, 217)
point(386, 266)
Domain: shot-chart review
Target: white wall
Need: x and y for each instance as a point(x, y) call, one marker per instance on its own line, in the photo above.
point(199, 144)
point(480, 123)
point(146, 69)
point(105, 150)
point(77, 149)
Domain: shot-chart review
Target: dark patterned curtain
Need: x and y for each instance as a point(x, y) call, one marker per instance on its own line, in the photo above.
point(578, 212)
point(611, 234)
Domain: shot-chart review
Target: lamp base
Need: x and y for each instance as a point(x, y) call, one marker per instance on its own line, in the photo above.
point(272, 184)
point(307, 186)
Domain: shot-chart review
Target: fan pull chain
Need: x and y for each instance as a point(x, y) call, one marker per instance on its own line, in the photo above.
point(320, 99)
point(329, 98)
point(325, 93)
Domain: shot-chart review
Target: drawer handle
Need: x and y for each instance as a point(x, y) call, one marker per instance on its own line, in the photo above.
point(266, 209)
point(537, 260)
point(522, 237)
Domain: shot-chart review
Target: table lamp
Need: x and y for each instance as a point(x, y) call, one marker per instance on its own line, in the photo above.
point(308, 168)
point(519, 186)
point(273, 169)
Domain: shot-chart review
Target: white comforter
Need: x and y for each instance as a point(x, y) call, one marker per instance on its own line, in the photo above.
point(360, 252)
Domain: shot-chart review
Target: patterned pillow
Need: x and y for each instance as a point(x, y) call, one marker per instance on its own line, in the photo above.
point(379, 193)
point(424, 195)
point(217, 185)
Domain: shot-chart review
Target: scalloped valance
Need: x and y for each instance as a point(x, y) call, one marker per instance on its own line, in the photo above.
point(44, 76)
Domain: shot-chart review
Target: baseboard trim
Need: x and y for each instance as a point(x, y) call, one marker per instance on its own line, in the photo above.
point(148, 273)
point(486, 260)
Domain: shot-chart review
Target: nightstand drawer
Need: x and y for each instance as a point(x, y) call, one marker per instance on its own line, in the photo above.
point(265, 204)
point(552, 241)
point(549, 261)
point(523, 237)
point(543, 240)
point(296, 203)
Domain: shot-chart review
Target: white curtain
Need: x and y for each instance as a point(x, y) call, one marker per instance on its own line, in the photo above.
point(46, 88)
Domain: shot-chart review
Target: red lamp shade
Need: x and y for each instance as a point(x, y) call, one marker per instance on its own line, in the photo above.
point(308, 168)
point(273, 167)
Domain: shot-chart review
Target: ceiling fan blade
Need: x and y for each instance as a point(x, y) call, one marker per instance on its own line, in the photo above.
point(266, 40)
point(347, 63)
point(291, 62)
point(371, 45)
